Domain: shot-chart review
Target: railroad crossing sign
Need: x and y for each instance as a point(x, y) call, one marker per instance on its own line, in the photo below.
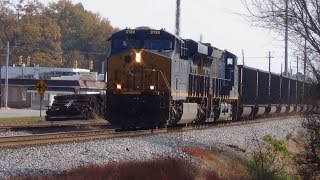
point(41, 87)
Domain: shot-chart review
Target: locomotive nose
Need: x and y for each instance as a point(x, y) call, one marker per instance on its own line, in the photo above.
point(134, 106)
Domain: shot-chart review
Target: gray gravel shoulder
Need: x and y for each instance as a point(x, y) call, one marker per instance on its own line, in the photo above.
point(60, 157)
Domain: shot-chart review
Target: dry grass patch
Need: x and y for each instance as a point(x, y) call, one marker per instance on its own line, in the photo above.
point(159, 169)
point(226, 167)
point(21, 121)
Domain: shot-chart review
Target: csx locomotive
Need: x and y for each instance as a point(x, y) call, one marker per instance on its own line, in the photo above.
point(156, 78)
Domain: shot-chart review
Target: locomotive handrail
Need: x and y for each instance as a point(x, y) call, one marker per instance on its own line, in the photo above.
point(165, 80)
point(163, 76)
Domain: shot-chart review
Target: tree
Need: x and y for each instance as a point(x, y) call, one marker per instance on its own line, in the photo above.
point(30, 33)
point(55, 35)
point(303, 23)
point(84, 34)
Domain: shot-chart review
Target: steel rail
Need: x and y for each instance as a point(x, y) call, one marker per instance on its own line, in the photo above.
point(79, 136)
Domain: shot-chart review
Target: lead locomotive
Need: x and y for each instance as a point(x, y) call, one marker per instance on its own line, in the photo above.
point(155, 78)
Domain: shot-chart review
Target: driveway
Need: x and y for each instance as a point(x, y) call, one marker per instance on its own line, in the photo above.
point(5, 113)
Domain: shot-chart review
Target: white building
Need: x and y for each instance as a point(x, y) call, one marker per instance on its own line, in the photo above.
point(37, 72)
point(61, 81)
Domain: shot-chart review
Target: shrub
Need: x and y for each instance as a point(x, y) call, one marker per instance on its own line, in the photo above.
point(269, 159)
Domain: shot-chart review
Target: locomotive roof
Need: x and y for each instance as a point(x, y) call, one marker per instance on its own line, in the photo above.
point(141, 32)
point(193, 46)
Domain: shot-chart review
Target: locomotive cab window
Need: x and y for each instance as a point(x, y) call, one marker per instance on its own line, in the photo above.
point(124, 44)
point(229, 61)
point(158, 44)
point(183, 50)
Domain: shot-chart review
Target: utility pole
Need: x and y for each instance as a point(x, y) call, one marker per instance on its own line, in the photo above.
point(286, 41)
point(1, 79)
point(7, 74)
point(270, 61)
point(297, 67)
point(281, 68)
point(178, 18)
point(242, 57)
point(290, 70)
point(305, 60)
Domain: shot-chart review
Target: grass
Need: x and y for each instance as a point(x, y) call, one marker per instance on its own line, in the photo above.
point(158, 169)
point(21, 121)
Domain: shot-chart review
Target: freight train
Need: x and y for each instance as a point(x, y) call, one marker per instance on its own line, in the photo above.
point(155, 78)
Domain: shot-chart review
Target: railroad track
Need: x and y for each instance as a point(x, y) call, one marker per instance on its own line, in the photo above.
point(78, 136)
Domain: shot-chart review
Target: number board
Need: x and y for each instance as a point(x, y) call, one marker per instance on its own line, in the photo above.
point(155, 32)
point(130, 31)
point(151, 32)
point(41, 87)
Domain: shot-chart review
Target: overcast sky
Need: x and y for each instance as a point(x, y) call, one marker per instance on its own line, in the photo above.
point(216, 20)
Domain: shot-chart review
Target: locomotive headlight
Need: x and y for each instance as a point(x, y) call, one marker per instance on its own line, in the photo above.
point(152, 87)
point(138, 57)
point(119, 87)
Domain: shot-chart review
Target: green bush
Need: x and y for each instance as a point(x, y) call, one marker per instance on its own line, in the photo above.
point(269, 159)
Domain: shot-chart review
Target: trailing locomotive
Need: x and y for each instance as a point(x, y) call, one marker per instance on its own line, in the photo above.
point(155, 78)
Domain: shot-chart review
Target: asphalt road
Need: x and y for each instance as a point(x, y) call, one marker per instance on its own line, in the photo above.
point(5, 113)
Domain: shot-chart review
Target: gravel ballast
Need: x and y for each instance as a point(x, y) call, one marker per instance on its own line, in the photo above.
point(60, 157)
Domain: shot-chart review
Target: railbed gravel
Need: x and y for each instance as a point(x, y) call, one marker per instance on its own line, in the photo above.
point(57, 158)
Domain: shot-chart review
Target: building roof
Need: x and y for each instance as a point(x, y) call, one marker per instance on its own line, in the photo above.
point(36, 71)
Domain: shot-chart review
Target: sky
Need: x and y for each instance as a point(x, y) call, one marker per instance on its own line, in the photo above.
point(217, 21)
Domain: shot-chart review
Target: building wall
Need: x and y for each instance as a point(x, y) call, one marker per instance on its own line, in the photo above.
point(17, 97)
point(47, 101)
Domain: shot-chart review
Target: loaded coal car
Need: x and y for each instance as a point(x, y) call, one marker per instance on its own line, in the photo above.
point(263, 93)
point(76, 107)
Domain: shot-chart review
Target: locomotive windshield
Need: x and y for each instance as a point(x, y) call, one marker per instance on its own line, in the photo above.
point(126, 44)
point(153, 44)
point(158, 44)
